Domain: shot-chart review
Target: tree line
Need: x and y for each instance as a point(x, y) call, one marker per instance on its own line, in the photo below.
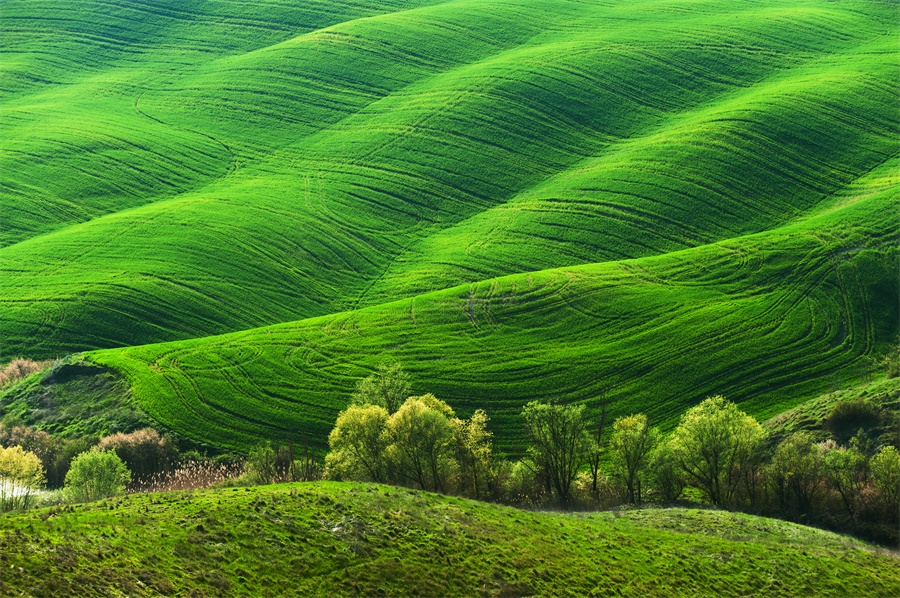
point(717, 454)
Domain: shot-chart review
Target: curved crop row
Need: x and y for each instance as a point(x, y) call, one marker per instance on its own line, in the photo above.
point(389, 156)
point(768, 320)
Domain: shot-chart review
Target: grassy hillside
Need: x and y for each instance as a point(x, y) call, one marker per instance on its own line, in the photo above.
point(653, 201)
point(343, 539)
point(358, 155)
point(768, 320)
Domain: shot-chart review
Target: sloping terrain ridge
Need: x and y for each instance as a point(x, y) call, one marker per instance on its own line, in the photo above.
point(329, 539)
point(650, 201)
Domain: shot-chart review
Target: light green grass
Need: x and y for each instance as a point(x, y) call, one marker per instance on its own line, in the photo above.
point(330, 539)
point(653, 201)
point(767, 320)
point(352, 162)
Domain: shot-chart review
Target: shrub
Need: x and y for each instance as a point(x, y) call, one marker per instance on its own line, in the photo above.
point(261, 464)
point(847, 418)
point(18, 369)
point(21, 473)
point(96, 474)
point(144, 452)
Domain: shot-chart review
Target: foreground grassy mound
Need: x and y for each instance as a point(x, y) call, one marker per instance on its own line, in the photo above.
point(769, 320)
point(185, 170)
point(333, 539)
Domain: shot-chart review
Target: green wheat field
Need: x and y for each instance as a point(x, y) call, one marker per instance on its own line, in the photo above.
point(233, 211)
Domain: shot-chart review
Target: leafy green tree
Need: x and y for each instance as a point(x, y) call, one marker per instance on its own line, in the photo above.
point(630, 445)
point(595, 448)
point(714, 444)
point(359, 444)
point(558, 438)
point(21, 473)
point(847, 471)
point(421, 446)
point(474, 453)
point(666, 476)
point(96, 474)
point(796, 473)
point(261, 464)
point(388, 387)
point(885, 467)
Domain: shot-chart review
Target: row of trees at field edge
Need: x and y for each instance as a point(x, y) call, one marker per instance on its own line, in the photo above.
point(717, 453)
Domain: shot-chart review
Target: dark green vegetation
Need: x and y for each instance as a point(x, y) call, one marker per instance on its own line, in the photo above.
point(872, 407)
point(74, 398)
point(656, 201)
point(358, 539)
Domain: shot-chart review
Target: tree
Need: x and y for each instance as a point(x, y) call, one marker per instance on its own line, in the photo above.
point(261, 462)
point(796, 472)
point(630, 445)
point(359, 444)
point(421, 446)
point(474, 453)
point(144, 451)
point(557, 435)
point(885, 467)
point(595, 449)
point(21, 473)
point(847, 471)
point(96, 474)
point(714, 444)
point(388, 387)
point(667, 477)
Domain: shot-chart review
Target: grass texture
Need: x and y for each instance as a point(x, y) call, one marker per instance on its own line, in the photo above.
point(331, 539)
point(767, 320)
point(650, 201)
point(176, 190)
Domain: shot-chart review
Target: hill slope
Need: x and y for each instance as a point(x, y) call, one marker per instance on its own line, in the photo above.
point(363, 161)
point(768, 320)
point(343, 539)
point(652, 201)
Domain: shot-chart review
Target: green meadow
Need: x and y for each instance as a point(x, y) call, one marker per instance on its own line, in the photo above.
point(242, 208)
point(217, 217)
point(328, 539)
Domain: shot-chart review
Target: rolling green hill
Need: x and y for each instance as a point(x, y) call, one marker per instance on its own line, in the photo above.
point(351, 539)
point(767, 320)
point(242, 208)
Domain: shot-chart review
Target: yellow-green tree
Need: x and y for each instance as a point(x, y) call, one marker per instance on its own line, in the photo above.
point(796, 473)
point(630, 445)
point(474, 453)
point(558, 435)
point(714, 444)
point(359, 444)
point(885, 468)
point(421, 448)
point(21, 474)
